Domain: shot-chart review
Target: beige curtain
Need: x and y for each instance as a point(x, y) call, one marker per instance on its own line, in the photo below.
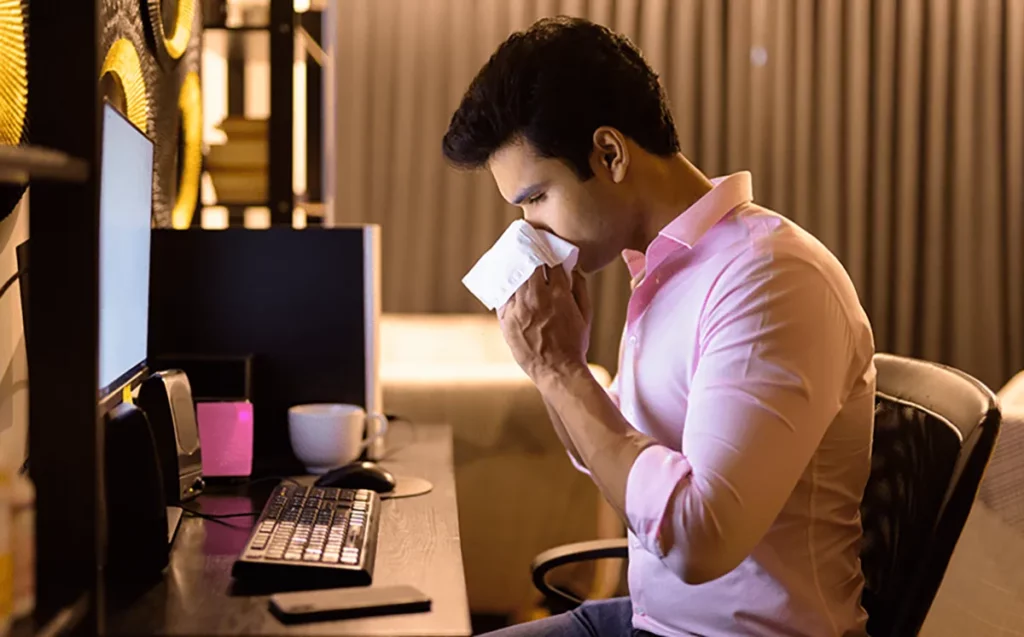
point(891, 129)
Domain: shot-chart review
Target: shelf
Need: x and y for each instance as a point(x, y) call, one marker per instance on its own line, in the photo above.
point(216, 27)
point(238, 204)
point(21, 164)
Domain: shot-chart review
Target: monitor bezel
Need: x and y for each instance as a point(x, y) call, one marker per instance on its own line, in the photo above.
point(108, 396)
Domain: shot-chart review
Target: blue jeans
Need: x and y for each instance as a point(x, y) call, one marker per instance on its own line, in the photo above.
point(605, 618)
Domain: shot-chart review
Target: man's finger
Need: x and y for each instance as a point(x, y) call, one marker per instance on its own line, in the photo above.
point(533, 289)
point(559, 278)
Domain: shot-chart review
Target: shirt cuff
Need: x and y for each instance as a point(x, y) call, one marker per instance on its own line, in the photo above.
point(652, 481)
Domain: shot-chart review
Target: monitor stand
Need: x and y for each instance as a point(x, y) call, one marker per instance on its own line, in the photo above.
point(173, 520)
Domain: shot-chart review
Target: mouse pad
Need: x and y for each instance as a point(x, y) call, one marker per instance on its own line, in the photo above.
point(408, 486)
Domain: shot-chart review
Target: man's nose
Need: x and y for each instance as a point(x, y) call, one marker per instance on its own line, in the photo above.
point(537, 223)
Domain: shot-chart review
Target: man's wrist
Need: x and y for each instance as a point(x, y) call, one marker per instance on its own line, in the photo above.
point(555, 379)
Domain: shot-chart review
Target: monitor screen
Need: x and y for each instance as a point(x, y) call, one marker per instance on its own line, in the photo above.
point(126, 204)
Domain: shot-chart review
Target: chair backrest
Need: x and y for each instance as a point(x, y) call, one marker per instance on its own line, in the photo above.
point(934, 431)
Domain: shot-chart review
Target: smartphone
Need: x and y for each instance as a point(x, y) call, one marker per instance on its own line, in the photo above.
point(347, 603)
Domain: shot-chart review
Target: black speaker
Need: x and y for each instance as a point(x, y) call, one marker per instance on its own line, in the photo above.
point(166, 397)
point(136, 512)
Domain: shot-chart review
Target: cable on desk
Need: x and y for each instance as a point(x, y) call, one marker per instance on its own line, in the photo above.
point(218, 517)
point(10, 281)
point(251, 482)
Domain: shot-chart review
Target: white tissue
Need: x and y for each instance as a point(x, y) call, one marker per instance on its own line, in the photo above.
point(512, 260)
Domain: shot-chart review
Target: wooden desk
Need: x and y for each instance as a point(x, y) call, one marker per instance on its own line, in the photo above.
point(418, 545)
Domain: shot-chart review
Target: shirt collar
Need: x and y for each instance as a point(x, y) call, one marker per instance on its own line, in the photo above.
point(687, 229)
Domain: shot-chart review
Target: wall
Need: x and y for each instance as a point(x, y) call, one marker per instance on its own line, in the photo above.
point(127, 19)
point(892, 131)
point(14, 381)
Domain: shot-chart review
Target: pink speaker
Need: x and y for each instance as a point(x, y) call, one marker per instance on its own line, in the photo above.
point(225, 433)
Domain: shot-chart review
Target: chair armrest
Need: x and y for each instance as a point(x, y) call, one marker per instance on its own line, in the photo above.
point(569, 554)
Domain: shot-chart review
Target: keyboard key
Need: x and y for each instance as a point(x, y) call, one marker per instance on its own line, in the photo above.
point(355, 536)
point(260, 541)
point(315, 527)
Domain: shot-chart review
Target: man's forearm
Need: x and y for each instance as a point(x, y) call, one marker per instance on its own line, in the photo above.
point(603, 440)
point(563, 435)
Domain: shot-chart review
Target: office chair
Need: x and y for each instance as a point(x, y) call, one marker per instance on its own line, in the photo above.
point(934, 431)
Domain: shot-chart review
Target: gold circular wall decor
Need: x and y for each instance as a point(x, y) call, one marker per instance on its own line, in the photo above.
point(172, 37)
point(123, 66)
point(191, 106)
point(13, 72)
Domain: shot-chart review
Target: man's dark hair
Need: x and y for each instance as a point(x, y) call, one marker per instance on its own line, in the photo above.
point(554, 85)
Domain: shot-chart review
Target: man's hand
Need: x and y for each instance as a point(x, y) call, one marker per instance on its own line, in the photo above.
point(547, 324)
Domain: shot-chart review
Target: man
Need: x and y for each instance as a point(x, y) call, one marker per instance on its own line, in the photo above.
point(735, 441)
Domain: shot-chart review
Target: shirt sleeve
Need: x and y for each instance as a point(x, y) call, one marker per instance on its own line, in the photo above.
point(775, 357)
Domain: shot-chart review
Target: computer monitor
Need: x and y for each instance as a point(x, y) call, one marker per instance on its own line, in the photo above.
point(126, 206)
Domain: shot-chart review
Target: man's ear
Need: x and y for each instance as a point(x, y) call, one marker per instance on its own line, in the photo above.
point(610, 154)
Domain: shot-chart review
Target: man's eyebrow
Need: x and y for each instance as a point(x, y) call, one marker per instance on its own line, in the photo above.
point(526, 193)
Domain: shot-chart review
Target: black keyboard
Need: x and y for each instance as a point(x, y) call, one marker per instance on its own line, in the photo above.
point(314, 535)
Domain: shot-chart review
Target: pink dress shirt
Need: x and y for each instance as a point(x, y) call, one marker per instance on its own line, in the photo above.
point(747, 356)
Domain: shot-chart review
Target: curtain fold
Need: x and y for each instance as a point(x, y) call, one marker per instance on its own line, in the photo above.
point(892, 131)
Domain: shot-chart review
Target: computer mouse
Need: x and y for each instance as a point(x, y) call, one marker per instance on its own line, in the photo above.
point(359, 475)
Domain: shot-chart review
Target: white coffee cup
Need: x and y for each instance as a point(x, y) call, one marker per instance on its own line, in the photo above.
point(325, 436)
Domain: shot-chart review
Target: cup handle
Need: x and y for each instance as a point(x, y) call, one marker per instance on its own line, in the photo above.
point(383, 420)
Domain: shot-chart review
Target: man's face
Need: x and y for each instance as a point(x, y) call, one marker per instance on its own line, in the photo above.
point(552, 197)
